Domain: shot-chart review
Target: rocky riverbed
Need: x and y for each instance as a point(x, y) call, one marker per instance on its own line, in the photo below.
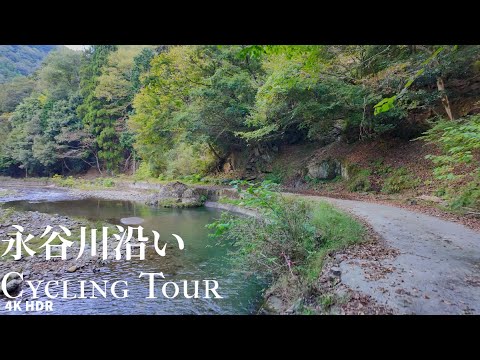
point(37, 267)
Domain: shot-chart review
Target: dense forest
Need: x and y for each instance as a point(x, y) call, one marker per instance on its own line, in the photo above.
point(171, 111)
point(18, 60)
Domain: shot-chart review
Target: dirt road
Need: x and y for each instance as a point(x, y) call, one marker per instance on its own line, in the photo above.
point(437, 270)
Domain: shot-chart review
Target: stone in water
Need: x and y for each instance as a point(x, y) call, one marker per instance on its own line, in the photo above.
point(132, 221)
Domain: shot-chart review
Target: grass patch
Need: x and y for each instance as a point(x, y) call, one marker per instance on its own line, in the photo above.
point(467, 197)
point(359, 181)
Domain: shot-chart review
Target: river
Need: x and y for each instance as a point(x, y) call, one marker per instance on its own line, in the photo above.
point(202, 258)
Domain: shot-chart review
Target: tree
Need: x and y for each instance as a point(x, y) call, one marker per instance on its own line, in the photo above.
point(50, 110)
point(92, 112)
point(59, 77)
point(26, 126)
point(115, 89)
point(304, 91)
point(194, 94)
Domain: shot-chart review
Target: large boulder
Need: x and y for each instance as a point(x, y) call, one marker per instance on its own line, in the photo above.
point(173, 190)
point(192, 197)
point(132, 221)
point(326, 169)
point(177, 194)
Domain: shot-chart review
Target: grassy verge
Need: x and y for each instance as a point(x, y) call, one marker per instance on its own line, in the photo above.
point(339, 230)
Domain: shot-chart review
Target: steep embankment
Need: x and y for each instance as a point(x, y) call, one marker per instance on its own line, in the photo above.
point(386, 171)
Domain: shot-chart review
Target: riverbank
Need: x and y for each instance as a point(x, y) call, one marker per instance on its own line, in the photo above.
point(125, 188)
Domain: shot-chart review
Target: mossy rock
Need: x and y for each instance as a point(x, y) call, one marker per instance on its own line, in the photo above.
point(358, 179)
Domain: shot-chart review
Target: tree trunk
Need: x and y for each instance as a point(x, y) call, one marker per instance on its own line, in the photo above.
point(98, 164)
point(66, 166)
point(127, 164)
point(214, 152)
point(445, 102)
point(221, 160)
point(134, 164)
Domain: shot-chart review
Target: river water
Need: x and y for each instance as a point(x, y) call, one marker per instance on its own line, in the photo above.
point(201, 259)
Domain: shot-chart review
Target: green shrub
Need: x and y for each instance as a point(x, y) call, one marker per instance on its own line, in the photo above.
point(194, 178)
point(290, 237)
point(399, 180)
point(380, 168)
point(277, 241)
point(143, 172)
point(275, 177)
point(59, 180)
point(458, 139)
point(311, 180)
point(107, 182)
point(186, 159)
point(359, 181)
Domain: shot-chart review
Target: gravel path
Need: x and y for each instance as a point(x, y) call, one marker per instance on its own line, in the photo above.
point(437, 270)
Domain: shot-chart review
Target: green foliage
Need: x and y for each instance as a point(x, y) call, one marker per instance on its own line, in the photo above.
point(380, 168)
point(385, 105)
point(301, 92)
point(388, 103)
point(275, 177)
point(277, 242)
point(141, 66)
point(143, 172)
point(59, 77)
point(326, 301)
point(459, 140)
point(399, 180)
point(195, 94)
point(193, 178)
point(184, 159)
point(46, 135)
point(108, 183)
point(59, 180)
point(93, 110)
point(468, 196)
point(290, 237)
point(183, 110)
